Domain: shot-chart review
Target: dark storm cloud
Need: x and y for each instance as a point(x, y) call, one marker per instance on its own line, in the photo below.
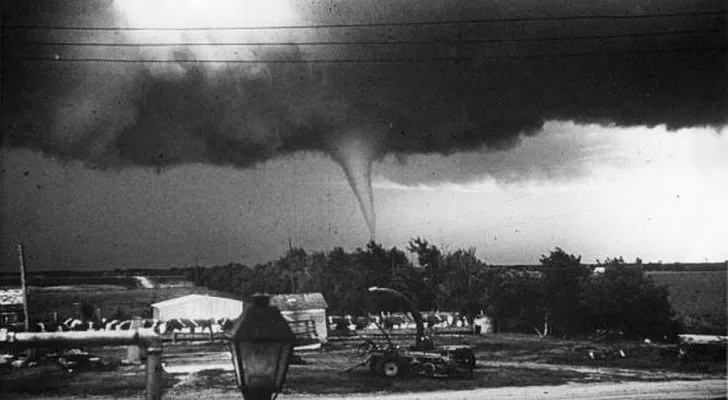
point(113, 114)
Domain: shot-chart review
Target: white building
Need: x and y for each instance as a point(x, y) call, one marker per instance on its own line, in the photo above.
point(302, 307)
point(195, 306)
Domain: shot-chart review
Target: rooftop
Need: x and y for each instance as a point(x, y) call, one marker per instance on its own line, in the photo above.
point(9, 297)
point(299, 301)
point(191, 297)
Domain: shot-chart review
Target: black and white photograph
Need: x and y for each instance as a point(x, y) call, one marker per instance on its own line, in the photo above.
point(366, 199)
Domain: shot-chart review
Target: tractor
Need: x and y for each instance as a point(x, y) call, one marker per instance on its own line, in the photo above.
point(420, 359)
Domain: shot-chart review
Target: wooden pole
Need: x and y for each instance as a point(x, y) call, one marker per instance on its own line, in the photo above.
point(290, 265)
point(154, 370)
point(21, 259)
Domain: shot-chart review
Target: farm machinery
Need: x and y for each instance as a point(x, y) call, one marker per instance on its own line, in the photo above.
point(420, 359)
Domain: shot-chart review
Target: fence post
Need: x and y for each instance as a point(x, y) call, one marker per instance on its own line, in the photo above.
point(133, 352)
point(154, 370)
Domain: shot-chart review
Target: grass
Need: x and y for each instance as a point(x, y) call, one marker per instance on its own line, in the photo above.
point(320, 380)
point(698, 297)
point(326, 372)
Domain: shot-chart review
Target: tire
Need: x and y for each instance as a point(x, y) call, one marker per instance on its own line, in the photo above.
point(389, 368)
point(415, 368)
point(429, 369)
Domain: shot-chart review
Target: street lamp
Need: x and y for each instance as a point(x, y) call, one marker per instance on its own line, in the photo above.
point(261, 345)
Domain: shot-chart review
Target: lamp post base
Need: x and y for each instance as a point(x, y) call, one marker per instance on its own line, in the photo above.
point(257, 394)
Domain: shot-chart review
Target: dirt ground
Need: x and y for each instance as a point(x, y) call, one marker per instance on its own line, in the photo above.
point(506, 364)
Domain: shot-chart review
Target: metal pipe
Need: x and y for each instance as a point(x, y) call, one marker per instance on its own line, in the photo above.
point(411, 307)
point(142, 337)
point(81, 338)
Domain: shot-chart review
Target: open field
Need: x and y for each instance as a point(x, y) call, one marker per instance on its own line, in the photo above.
point(110, 300)
point(503, 360)
point(699, 297)
point(58, 280)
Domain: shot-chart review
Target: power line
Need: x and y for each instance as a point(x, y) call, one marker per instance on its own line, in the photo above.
point(375, 24)
point(377, 42)
point(369, 60)
point(232, 61)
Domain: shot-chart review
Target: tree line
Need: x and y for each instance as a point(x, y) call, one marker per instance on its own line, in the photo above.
point(561, 296)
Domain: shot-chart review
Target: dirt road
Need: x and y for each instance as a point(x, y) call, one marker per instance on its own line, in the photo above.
point(221, 361)
point(675, 390)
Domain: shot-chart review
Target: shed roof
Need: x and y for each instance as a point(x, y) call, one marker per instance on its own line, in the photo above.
point(189, 298)
point(9, 297)
point(299, 301)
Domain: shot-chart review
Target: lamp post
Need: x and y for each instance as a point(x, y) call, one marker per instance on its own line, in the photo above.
point(261, 344)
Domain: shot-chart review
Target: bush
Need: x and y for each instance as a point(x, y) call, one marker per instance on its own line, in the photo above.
point(625, 300)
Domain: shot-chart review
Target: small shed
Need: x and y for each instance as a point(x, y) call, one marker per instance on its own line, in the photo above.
point(196, 306)
point(11, 306)
point(483, 325)
point(304, 307)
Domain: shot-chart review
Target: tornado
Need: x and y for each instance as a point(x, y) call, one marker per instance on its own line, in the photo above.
point(236, 84)
point(354, 152)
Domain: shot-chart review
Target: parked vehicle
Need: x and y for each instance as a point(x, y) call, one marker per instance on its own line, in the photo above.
point(420, 359)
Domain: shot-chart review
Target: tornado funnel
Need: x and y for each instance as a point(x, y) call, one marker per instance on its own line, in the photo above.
point(355, 155)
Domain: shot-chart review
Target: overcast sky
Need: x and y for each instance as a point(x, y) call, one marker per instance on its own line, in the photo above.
point(120, 155)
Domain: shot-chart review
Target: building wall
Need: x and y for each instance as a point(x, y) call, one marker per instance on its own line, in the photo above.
point(201, 308)
point(316, 315)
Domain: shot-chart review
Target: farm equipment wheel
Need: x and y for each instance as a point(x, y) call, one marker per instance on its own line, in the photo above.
point(389, 368)
point(365, 348)
point(429, 369)
point(415, 368)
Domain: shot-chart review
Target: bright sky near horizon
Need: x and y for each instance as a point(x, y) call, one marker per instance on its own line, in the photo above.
point(132, 148)
point(636, 192)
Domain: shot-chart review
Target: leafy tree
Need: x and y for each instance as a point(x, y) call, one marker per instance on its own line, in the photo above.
point(428, 256)
point(411, 282)
point(336, 288)
point(293, 267)
point(625, 300)
point(562, 287)
point(515, 300)
point(562, 292)
point(431, 259)
point(463, 287)
point(376, 266)
point(121, 314)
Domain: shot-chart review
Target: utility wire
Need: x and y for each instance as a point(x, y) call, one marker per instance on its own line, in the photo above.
point(376, 42)
point(368, 60)
point(233, 61)
point(375, 24)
